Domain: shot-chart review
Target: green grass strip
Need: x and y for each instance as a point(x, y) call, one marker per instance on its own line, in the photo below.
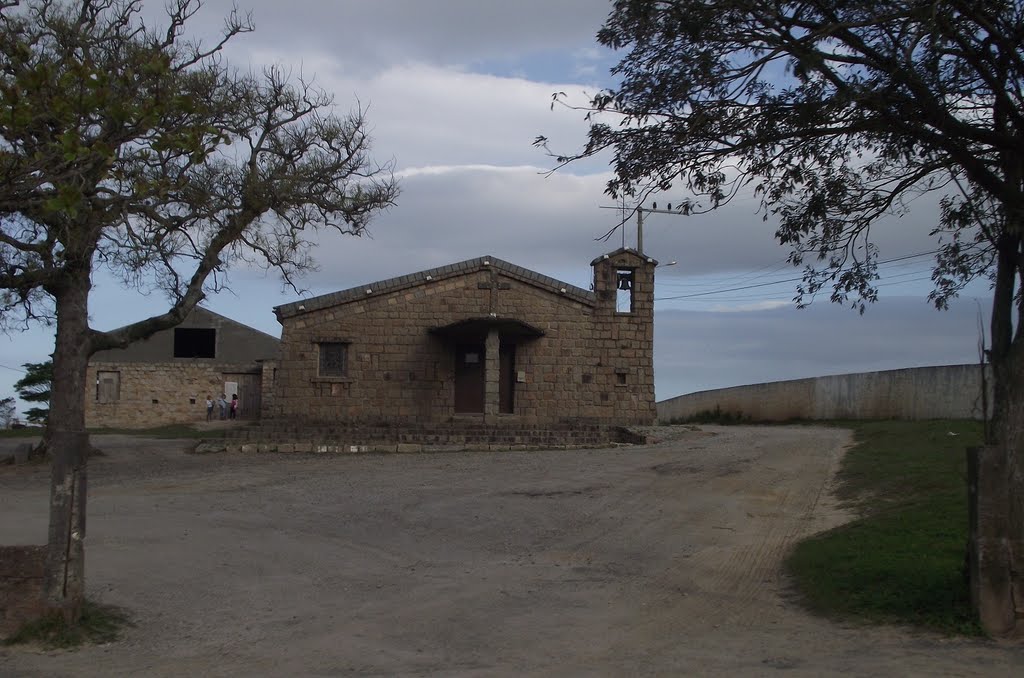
point(27, 432)
point(902, 561)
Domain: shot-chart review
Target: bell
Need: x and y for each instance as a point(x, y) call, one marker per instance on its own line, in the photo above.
point(625, 281)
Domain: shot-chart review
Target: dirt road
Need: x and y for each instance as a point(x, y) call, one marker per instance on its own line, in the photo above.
point(656, 560)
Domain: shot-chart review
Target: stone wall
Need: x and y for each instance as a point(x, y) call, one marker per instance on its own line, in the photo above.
point(268, 386)
point(590, 364)
point(21, 586)
point(157, 394)
point(943, 392)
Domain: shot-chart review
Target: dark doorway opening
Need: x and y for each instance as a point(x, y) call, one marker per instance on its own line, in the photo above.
point(469, 378)
point(195, 342)
point(506, 378)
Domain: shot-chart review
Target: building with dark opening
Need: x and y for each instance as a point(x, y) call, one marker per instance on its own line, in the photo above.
point(165, 379)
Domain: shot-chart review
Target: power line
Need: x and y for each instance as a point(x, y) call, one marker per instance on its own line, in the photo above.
point(678, 283)
point(728, 289)
point(780, 282)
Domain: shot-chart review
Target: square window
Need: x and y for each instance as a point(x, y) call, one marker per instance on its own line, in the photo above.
point(333, 359)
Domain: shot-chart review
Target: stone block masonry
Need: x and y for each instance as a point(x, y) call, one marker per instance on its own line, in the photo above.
point(361, 438)
point(144, 394)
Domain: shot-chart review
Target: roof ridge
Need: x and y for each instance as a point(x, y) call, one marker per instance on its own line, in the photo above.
point(399, 282)
point(199, 308)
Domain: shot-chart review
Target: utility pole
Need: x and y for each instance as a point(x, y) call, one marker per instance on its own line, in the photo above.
point(640, 221)
point(639, 230)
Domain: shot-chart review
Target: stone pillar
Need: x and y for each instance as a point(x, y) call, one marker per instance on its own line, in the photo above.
point(492, 369)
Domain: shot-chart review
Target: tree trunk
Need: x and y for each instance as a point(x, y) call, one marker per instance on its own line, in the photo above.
point(996, 550)
point(68, 445)
point(996, 556)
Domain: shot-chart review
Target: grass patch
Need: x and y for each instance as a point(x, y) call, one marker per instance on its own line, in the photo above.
point(902, 562)
point(99, 624)
point(168, 431)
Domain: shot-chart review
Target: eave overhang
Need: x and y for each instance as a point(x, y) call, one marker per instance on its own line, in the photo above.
point(477, 329)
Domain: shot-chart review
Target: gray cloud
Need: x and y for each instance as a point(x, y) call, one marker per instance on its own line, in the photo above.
point(368, 35)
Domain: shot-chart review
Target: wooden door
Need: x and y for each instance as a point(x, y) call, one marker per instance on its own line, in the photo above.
point(469, 378)
point(249, 392)
point(108, 387)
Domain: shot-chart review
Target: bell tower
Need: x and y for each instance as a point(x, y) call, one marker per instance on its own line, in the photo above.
point(624, 284)
point(624, 323)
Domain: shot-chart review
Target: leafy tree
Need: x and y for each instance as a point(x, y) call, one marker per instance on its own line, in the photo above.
point(835, 114)
point(34, 387)
point(7, 408)
point(135, 149)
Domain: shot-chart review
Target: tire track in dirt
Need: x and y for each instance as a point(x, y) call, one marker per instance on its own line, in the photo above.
point(766, 507)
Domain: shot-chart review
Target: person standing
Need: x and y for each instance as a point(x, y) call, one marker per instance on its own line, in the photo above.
point(209, 407)
point(222, 405)
point(234, 405)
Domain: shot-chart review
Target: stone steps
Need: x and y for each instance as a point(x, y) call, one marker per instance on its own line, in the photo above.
point(406, 438)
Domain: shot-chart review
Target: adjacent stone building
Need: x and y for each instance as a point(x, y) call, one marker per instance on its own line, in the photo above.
point(165, 379)
point(481, 340)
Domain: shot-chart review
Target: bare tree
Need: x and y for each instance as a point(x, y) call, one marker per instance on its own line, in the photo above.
point(835, 114)
point(133, 148)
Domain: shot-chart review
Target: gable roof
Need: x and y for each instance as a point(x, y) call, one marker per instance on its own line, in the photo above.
point(201, 316)
point(625, 250)
point(431, 276)
point(246, 344)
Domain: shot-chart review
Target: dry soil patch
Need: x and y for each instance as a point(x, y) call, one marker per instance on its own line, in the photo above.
point(655, 560)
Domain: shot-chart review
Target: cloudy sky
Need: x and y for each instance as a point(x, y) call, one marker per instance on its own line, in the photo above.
point(456, 90)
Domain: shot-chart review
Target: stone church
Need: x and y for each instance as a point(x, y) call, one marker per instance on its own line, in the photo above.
point(480, 340)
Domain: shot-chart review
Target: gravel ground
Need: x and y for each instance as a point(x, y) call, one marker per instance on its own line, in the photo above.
point(654, 560)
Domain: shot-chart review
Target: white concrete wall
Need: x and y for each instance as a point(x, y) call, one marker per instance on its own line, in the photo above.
point(947, 391)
